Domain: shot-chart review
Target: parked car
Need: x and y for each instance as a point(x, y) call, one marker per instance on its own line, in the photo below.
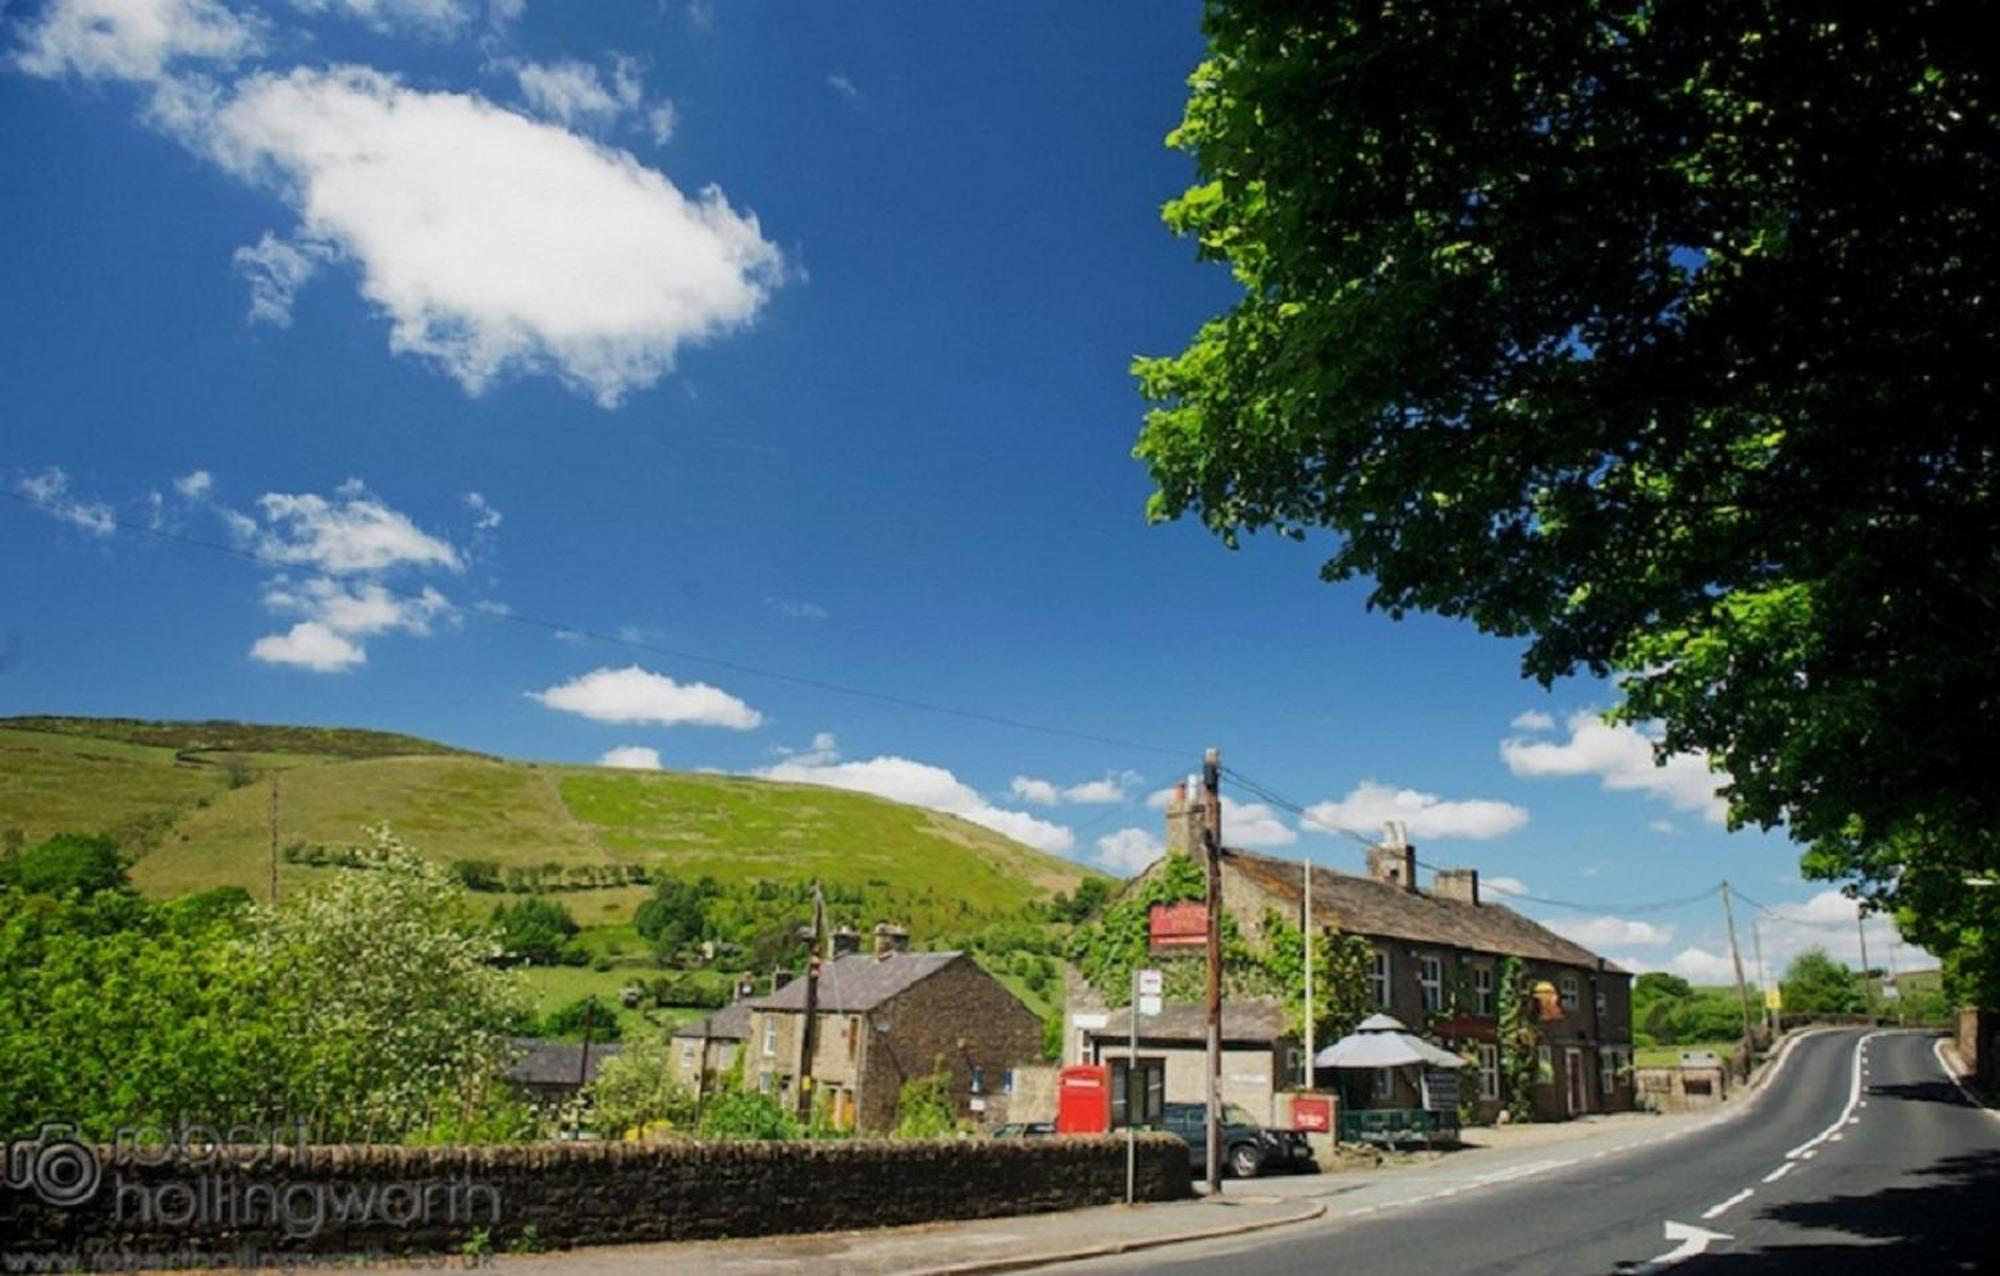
point(1248, 1149)
point(1024, 1130)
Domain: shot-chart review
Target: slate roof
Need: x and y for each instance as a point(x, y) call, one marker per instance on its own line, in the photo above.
point(555, 1063)
point(731, 1023)
point(860, 982)
point(1243, 1019)
point(1365, 906)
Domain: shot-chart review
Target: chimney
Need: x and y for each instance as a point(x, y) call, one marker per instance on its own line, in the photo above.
point(1185, 819)
point(1461, 884)
point(890, 939)
point(846, 941)
point(1394, 861)
point(779, 978)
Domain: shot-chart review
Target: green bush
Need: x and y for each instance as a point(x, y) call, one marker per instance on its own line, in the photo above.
point(924, 1109)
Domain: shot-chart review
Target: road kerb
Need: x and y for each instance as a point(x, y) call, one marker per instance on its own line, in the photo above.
point(1021, 1262)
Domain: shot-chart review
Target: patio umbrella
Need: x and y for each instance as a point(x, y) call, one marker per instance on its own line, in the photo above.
point(1381, 1041)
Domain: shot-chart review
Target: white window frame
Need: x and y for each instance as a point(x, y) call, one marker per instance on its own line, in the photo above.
point(1607, 1072)
point(1430, 978)
point(1378, 977)
point(1482, 989)
point(687, 1054)
point(1489, 1070)
point(1385, 1083)
point(1570, 993)
point(1545, 1065)
point(770, 1036)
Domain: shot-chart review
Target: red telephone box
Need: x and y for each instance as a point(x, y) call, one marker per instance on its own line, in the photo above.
point(1083, 1099)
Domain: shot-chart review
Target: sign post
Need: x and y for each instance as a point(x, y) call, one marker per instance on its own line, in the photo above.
point(1146, 986)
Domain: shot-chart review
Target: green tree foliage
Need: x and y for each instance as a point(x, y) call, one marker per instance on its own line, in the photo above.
point(1662, 338)
point(1518, 1040)
point(924, 1108)
point(367, 1007)
point(637, 1090)
point(65, 863)
point(736, 1113)
point(1341, 994)
point(568, 1021)
point(534, 930)
point(1668, 1011)
point(1817, 984)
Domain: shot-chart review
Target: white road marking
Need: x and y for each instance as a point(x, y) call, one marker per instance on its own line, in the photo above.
point(1723, 1208)
point(1781, 1171)
point(1693, 1240)
point(1831, 1132)
point(1937, 1048)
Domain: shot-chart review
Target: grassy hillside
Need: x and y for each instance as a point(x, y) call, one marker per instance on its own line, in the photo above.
point(192, 803)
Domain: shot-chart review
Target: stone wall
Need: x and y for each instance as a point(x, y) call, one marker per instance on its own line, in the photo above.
point(359, 1200)
point(1978, 1040)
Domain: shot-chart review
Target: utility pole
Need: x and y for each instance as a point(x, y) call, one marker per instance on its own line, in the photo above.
point(1309, 975)
point(589, 1022)
point(1736, 957)
point(1861, 932)
point(274, 838)
point(1763, 978)
point(1131, 1117)
point(701, 1070)
point(1211, 790)
point(809, 1031)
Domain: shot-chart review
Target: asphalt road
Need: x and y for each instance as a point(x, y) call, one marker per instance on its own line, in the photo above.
point(1861, 1155)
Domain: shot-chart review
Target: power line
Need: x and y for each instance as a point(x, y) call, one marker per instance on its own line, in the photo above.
point(735, 666)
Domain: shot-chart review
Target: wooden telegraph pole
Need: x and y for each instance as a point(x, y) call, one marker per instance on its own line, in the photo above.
point(1861, 933)
point(274, 838)
point(1309, 973)
point(1736, 957)
point(1211, 790)
point(809, 1030)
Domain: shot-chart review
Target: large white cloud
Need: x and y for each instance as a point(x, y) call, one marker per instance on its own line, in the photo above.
point(353, 532)
point(1598, 933)
point(133, 39)
point(1370, 804)
point(310, 644)
point(1128, 851)
point(1622, 758)
point(631, 757)
point(921, 784)
point(1108, 791)
point(1825, 920)
point(633, 694)
point(421, 17)
point(493, 242)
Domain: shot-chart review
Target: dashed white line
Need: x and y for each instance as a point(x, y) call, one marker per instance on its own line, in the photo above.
point(1723, 1208)
point(1781, 1171)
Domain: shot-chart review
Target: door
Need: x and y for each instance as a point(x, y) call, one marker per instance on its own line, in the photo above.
point(1573, 1079)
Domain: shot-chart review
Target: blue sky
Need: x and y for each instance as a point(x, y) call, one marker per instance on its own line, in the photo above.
point(791, 336)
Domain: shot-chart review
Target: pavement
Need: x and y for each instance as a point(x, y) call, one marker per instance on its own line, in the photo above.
point(1860, 1153)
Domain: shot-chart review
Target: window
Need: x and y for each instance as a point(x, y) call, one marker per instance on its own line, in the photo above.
point(1607, 1072)
point(1385, 1083)
point(1569, 997)
point(770, 1037)
point(1482, 989)
point(687, 1054)
point(767, 1082)
point(1489, 1070)
point(1007, 1081)
point(1378, 979)
point(1545, 1065)
point(1600, 1004)
point(853, 1036)
point(1430, 974)
point(1295, 1068)
point(978, 1079)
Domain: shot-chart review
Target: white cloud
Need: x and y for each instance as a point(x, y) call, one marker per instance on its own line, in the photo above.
point(311, 645)
point(1622, 757)
point(631, 757)
point(842, 85)
point(133, 39)
point(276, 269)
point(354, 532)
point(1598, 933)
point(1533, 720)
point(357, 610)
point(1128, 851)
point(572, 93)
point(438, 18)
point(1108, 791)
point(1370, 804)
point(1661, 826)
point(195, 485)
point(1505, 885)
point(493, 243)
point(484, 517)
point(633, 694)
point(49, 492)
point(1701, 966)
point(921, 784)
point(798, 609)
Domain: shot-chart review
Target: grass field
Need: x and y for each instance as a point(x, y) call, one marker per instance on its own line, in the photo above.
point(1670, 1056)
point(192, 804)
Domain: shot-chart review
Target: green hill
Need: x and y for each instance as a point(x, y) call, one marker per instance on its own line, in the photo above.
point(191, 802)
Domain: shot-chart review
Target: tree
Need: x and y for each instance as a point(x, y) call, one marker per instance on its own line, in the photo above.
point(637, 1088)
point(534, 930)
point(65, 863)
point(1661, 338)
point(1817, 984)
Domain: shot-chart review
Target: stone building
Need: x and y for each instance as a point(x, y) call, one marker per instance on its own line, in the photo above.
point(1437, 958)
point(709, 1045)
point(1259, 1059)
point(887, 1018)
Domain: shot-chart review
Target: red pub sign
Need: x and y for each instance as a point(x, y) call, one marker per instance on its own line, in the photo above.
point(1183, 925)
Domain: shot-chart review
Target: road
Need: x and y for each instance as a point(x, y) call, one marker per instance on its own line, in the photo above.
point(1860, 1155)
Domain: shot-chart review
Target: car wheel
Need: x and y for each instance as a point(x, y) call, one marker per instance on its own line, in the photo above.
point(1244, 1161)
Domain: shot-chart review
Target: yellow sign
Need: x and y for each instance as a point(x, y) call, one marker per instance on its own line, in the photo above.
point(1774, 999)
